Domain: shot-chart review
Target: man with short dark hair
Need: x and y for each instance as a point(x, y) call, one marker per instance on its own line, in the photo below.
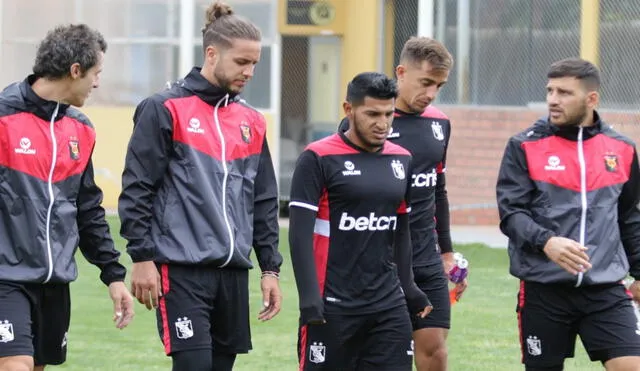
point(568, 193)
point(49, 202)
point(425, 131)
point(350, 243)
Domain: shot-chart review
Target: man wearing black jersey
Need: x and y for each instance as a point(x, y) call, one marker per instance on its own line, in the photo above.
point(350, 243)
point(424, 131)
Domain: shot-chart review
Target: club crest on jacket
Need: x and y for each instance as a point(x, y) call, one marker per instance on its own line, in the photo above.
point(245, 130)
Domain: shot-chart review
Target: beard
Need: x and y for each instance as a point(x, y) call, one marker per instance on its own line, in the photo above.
point(224, 81)
point(368, 144)
point(576, 119)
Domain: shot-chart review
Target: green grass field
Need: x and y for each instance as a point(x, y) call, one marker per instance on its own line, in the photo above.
point(484, 335)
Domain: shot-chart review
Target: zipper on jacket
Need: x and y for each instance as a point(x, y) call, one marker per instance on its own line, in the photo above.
point(583, 197)
point(54, 154)
point(225, 178)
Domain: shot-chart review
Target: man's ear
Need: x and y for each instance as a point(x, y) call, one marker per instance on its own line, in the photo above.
point(593, 99)
point(75, 71)
point(348, 109)
point(400, 71)
point(212, 54)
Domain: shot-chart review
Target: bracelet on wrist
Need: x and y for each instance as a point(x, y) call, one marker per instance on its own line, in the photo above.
point(276, 275)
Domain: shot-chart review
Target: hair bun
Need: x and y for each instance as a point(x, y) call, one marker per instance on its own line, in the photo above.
point(215, 11)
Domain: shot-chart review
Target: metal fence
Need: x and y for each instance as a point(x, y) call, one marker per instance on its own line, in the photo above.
point(619, 53)
point(511, 43)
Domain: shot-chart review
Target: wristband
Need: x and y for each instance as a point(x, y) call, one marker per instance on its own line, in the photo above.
point(270, 274)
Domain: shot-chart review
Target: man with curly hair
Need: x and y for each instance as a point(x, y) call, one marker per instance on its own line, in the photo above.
point(49, 202)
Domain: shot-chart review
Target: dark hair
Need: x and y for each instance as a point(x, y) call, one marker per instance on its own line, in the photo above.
point(66, 45)
point(222, 26)
point(426, 49)
point(581, 69)
point(371, 84)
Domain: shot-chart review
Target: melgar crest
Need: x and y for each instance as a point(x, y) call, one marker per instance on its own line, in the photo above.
point(438, 133)
point(398, 169)
point(245, 130)
point(611, 162)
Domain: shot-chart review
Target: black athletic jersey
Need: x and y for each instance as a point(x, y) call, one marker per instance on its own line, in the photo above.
point(358, 196)
point(426, 137)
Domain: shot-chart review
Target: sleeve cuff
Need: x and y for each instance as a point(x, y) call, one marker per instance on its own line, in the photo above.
point(417, 302)
point(312, 314)
point(113, 272)
point(141, 255)
point(542, 240)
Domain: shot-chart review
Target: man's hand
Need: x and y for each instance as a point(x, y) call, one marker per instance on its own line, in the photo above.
point(271, 297)
point(145, 283)
point(568, 254)
point(448, 261)
point(634, 288)
point(122, 304)
point(425, 312)
point(459, 289)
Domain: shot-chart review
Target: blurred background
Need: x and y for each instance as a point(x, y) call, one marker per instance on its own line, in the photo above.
point(312, 48)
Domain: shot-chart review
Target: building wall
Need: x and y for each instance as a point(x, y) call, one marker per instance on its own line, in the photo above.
point(479, 135)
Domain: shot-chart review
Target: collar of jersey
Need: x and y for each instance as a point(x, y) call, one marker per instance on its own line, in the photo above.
point(403, 113)
point(353, 145)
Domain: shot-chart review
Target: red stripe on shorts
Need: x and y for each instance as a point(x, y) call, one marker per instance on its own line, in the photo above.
point(520, 306)
point(303, 347)
point(164, 282)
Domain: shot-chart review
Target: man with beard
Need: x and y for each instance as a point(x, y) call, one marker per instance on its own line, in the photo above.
point(199, 190)
point(425, 131)
point(568, 193)
point(348, 226)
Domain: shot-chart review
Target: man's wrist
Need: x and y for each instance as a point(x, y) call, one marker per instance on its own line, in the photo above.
point(273, 274)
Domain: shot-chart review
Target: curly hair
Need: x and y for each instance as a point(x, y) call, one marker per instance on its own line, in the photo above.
point(65, 45)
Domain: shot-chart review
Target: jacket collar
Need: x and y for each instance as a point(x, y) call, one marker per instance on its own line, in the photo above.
point(206, 91)
point(40, 107)
point(571, 132)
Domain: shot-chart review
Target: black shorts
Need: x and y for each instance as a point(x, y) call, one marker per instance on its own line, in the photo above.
point(433, 282)
point(34, 321)
point(204, 308)
point(550, 317)
point(377, 341)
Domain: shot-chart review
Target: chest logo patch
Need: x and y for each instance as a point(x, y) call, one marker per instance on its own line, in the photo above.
point(398, 169)
point(245, 130)
point(437, 130)
point(74, 149)
point(611, 162)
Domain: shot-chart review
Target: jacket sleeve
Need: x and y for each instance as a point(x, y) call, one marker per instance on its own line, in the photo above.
point(514, 192)
point(307, 185)
point(265, 218)
point(145, 165)
point(443, 219)
point(96, 243)
point(416, 299)
point(629, 217)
